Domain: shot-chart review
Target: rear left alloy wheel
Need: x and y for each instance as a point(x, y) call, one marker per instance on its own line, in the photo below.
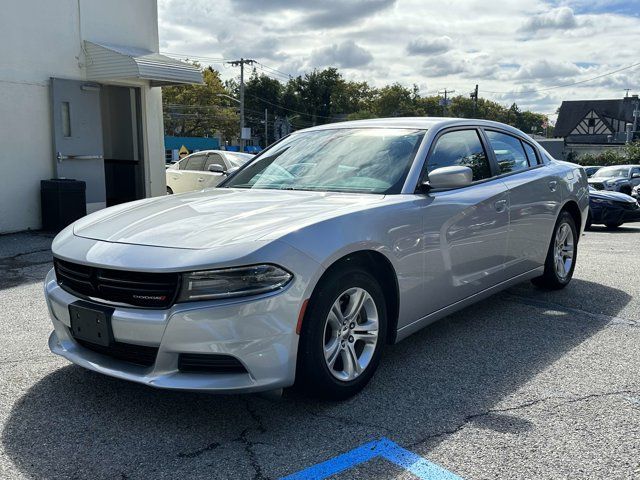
point(561, 256)
point(343, 334)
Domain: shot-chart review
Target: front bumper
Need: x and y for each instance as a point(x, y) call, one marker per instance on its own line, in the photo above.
point(259, 332)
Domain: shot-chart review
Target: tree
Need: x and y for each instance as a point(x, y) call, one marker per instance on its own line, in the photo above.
point(196, 110)
point(394, 101)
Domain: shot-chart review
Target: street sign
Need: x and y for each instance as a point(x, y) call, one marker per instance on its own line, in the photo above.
point(246, 133)
point(183, 152)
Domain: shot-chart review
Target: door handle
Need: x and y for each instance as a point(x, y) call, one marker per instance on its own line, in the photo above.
point(500, 206)
point(201, 179)
point(552, 185)
point(60, 157)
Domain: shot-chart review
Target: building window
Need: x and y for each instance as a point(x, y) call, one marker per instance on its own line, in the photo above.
point(592, 122)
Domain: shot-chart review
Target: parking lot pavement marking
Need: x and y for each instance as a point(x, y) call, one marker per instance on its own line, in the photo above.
point(384, 448)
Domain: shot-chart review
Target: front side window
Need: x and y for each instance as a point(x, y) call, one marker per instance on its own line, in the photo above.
point(509, 152)
point(214, 159)
point(367, 160)
point(463, 148)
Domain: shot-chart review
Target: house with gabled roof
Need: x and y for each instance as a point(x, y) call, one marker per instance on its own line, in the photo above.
point(597, 122)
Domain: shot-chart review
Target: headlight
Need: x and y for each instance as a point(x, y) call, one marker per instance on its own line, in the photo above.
point(600, 201)
point(232, 282)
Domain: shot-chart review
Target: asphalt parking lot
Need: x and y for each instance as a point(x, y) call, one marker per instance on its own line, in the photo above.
point(527, 384)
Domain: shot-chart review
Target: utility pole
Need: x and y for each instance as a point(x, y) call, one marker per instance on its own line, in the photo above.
point(241, 64)
point(474, 95)
point(445, 103)
point(266, 129)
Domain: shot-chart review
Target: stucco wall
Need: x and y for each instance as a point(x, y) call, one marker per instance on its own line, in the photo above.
point(42, 39)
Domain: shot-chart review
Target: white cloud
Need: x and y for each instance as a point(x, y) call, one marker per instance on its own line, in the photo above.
point(558, 19)
point(503, 45)
point(346, 55)
point(429, 46)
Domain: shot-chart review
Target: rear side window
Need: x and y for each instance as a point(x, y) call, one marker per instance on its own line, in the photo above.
point(195, 162)
point(461, 147)
point(509, 152)
point(532, 156)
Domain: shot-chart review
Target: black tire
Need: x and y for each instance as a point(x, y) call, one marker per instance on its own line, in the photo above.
point(313, 374)
point(588, 224)
point(550, 280)
point(169, 191)
point(612, 226)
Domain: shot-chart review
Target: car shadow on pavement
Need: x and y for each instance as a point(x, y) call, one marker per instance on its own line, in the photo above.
point(79, 424)
point(625, 228)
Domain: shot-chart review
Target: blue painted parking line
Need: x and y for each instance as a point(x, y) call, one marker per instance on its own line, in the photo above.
point(384, 448)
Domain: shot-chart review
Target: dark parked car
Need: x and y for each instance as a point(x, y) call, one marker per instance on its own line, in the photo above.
point(611, 208)
point(590, 169)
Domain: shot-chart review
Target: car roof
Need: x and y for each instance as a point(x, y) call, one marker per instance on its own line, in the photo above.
point(415, 123)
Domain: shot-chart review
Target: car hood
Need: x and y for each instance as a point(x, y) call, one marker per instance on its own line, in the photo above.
point(612, 196)
point(216, 217)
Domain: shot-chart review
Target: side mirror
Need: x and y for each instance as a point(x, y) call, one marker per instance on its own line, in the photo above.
point(215, 168)
point(635, 175)
point(449, 177)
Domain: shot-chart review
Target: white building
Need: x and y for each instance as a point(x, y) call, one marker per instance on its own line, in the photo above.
point(80, 98)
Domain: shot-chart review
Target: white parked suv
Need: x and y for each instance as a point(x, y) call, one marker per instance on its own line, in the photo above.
point(203, 169)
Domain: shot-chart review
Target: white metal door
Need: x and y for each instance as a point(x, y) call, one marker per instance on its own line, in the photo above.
point(77, 136)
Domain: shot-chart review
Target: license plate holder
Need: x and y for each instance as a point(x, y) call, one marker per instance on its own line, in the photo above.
point(91, 323)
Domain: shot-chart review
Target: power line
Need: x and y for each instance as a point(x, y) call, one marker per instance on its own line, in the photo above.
point(196, 57)
point(566, 84)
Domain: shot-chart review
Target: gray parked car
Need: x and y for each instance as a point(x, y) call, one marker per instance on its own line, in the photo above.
point(618, 178)
point(324, 248)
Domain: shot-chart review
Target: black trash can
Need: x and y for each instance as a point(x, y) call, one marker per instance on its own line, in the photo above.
point(63, 201)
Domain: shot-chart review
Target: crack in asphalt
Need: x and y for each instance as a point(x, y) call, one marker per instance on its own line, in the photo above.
point(470, 418)
point(18, 255)
point(249, 444)
point(197, 453)
point(532, 302)
point(346, 420)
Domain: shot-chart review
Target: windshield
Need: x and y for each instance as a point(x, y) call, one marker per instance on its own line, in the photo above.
point(369, 160)
point(612, 172)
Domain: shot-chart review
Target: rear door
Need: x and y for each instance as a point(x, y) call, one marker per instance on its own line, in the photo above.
point(534, 197)
point(465, 233)
point(77, 137)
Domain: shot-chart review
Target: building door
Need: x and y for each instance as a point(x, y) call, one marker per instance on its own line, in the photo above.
point(77, 136)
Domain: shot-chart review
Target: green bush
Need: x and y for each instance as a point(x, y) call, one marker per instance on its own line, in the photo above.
point(630, 153)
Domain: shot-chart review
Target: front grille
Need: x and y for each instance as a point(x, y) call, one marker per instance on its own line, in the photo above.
point(151, 290)
point(128, 352)
point(209, 363)
point(598, 186)
point(630, 206)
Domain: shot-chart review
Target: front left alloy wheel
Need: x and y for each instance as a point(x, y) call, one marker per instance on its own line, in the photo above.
point(343, 334)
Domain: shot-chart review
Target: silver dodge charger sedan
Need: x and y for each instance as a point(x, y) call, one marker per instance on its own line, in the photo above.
point(301, 267)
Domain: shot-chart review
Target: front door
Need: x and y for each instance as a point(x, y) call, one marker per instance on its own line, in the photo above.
point(77, 137)
point(465, 235)
point(211, 179)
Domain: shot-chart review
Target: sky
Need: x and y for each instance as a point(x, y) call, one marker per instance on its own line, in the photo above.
point(516, 51)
